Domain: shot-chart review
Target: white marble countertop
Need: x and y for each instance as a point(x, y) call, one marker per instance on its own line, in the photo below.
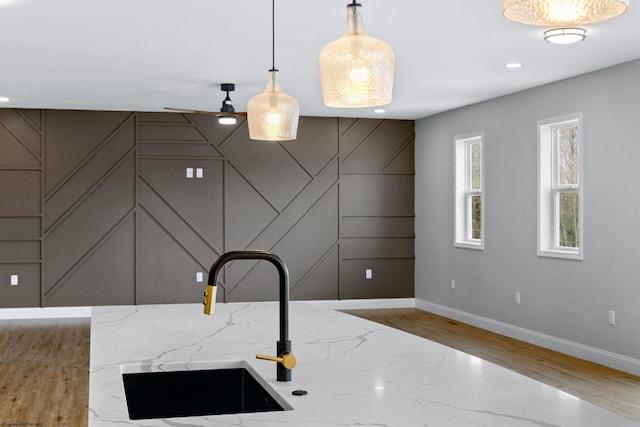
point(357, 373)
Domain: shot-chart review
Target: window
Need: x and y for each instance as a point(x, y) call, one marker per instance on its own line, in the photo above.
point(560, 187)
point(469, 230)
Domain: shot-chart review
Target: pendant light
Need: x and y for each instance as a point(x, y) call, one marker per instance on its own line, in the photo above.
point(273, 115)
point(356, 70)
point(558, 13)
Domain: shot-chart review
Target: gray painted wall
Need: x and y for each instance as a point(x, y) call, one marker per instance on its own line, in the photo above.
point(96, 208)
point(565, 299)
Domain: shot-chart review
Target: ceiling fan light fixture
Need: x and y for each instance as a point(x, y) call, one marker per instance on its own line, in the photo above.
point(273, 115)
point(559, 13)
point(565, 35)
point(356, 70)
point(227, 108)
point(226, 121)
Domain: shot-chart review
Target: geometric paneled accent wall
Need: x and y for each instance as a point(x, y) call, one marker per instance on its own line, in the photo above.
point(377, 208)
point(89, 206)
point(97, 208)
point(21, 166)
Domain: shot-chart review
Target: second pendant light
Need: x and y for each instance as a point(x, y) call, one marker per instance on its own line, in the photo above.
point(273, 115)
point(356, 70)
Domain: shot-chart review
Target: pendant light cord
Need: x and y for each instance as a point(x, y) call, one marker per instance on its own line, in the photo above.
point(273, 35)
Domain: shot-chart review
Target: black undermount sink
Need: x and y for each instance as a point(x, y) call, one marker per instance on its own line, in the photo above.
point(229, 389)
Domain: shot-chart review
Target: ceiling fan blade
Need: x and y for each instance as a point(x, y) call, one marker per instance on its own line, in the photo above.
point(211, 113)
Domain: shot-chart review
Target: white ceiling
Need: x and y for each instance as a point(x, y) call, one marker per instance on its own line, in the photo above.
point(143, 55)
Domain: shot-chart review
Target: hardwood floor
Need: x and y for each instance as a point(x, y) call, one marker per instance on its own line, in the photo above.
point(613, 390)
point(44, 372)
point(44, 366)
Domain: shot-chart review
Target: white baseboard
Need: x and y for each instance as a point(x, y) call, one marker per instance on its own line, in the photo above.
point(355, 304)
point(592, 354)
point(44, 313)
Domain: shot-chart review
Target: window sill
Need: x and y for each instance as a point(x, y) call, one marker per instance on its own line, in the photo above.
point(470, 245)
point(557, 253)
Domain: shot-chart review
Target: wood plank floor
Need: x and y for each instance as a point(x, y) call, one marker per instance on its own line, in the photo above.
point(44, 372)
point(616, 391)
point(44, 366)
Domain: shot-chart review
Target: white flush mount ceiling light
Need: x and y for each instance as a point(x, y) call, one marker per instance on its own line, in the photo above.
point(273, 115)
point(227, 120)
point(356, 70)
point(559, 13)
point(513, 65)
point(4, 99)
point(565, 35)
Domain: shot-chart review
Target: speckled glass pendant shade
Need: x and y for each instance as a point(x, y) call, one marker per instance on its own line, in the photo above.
point(562, 12)
point(356, 70)
point(273, 115)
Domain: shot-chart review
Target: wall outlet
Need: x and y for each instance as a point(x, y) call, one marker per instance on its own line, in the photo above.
point(517, 298)
point(199, 277)
point(368, 273)
point(453, 284)
point(612, 317)
point(14, 280)
point(189, 172)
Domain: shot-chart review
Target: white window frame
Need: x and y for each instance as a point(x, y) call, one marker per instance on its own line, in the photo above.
point(549, 189)
point(464, 192)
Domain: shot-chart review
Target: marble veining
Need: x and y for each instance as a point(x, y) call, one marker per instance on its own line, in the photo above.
point(357, 373)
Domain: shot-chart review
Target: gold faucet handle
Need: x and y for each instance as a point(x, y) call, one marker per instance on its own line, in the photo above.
point(209, 299)
point(288, 360)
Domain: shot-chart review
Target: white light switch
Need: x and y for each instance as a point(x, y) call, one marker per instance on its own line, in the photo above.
point(199, 277)
point(199, 173)
point(612, 317)
point(189, 172)
point(368, 273)
point(14, 280)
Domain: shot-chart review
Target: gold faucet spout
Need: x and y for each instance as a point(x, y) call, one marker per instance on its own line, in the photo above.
point(210, 299)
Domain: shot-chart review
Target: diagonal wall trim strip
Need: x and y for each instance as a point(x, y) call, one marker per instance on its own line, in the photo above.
point(75, 205)
point(165, 200)
point(308, 273)
point(407, 142)
point(346, 130)
point(319, 181)
point(33, 125)
point(295, 160)
point(47, 293)
point(18, 138)
point(362, 143)
point(230, 290)
point(303, 189)
point(184, 247)
point(88, 157)
point(230, 163)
